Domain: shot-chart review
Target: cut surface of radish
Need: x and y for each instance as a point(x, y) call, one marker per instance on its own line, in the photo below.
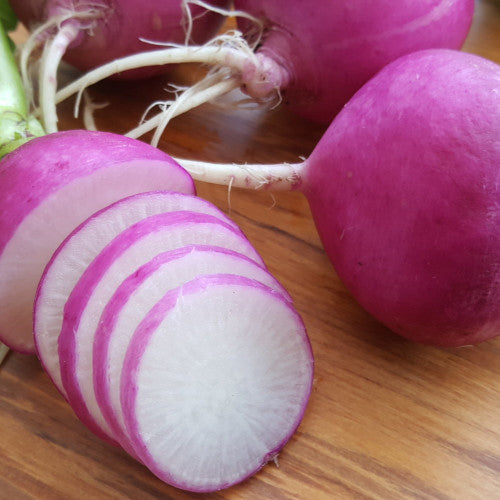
point(215, 381)
point(130, 303)
point(79, 249)
point(124, 255)
point(50, 185)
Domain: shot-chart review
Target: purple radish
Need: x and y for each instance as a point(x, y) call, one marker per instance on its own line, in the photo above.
point(215, 381)
point(404, 190)
point(312, 58)
point(104, 30)
point(122, 256)
point(320, 56)
point(50, 185)
point(90, 33)
point(83, 245)
point(131, 301)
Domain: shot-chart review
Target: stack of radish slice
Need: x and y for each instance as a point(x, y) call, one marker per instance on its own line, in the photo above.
point(160, 325)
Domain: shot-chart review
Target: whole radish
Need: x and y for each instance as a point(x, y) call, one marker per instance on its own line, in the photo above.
point(104, 30)
point(404, 188)
point(89, 33)
point(313, 56)
point(320, 54)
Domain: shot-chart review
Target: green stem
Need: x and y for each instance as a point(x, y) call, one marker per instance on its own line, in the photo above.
point(16, 125)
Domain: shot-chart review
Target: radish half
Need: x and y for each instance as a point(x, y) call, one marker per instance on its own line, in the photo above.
point(50, 185)
point(139, 292)
point(81, 247)
point(215, 381)
point(124, 255)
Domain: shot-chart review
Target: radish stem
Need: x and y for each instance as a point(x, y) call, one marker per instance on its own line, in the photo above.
point(174, 55)
point(51, 58)
point(39, 35)
point(278, 177)
point(16, 127)
point(230, 51)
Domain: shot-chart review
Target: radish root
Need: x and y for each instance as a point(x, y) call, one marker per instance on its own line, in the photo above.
point(51, 58)
point(259, 75)
point(88, 112)
point(278, 177)
point(259, 27)
point(206, 90)
point(229, 52)
point(43, 34)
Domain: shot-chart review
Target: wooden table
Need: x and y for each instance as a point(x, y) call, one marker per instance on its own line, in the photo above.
point(388, 419)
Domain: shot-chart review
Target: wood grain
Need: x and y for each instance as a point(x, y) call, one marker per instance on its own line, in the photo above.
point(388, 419)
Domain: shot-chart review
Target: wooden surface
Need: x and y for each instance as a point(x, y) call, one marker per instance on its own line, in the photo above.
point(388, 419)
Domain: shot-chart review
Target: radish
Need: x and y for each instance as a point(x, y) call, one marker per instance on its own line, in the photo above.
point(320, 56)
point(88, 33)
point(208, 403)
point(82, 246)
point(132, 248)
point(404, 190)
point(314, 58)
point(140, 291)
point(50, 185)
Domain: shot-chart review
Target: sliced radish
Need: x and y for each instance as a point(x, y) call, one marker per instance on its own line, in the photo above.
point(81, 247)
point(49, 186)
point(215, 381)
point(131, 301)
point(124, 255)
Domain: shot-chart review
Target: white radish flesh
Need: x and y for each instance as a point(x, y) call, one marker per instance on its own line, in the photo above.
point(125, 254)
point(50, 185)
point(132, 300)
point(81, 247)
point(215, 381)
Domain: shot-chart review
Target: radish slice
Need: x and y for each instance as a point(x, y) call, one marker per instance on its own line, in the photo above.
point(215, 381)
point(131, 301)
point(50, 185)
point(124, 255)
point(75, 254)
point(79, 249)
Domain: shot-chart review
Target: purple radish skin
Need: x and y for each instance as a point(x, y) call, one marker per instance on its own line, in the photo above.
point(133, 299)
point(320, 56)
point(53, 183)
point(208, 403)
